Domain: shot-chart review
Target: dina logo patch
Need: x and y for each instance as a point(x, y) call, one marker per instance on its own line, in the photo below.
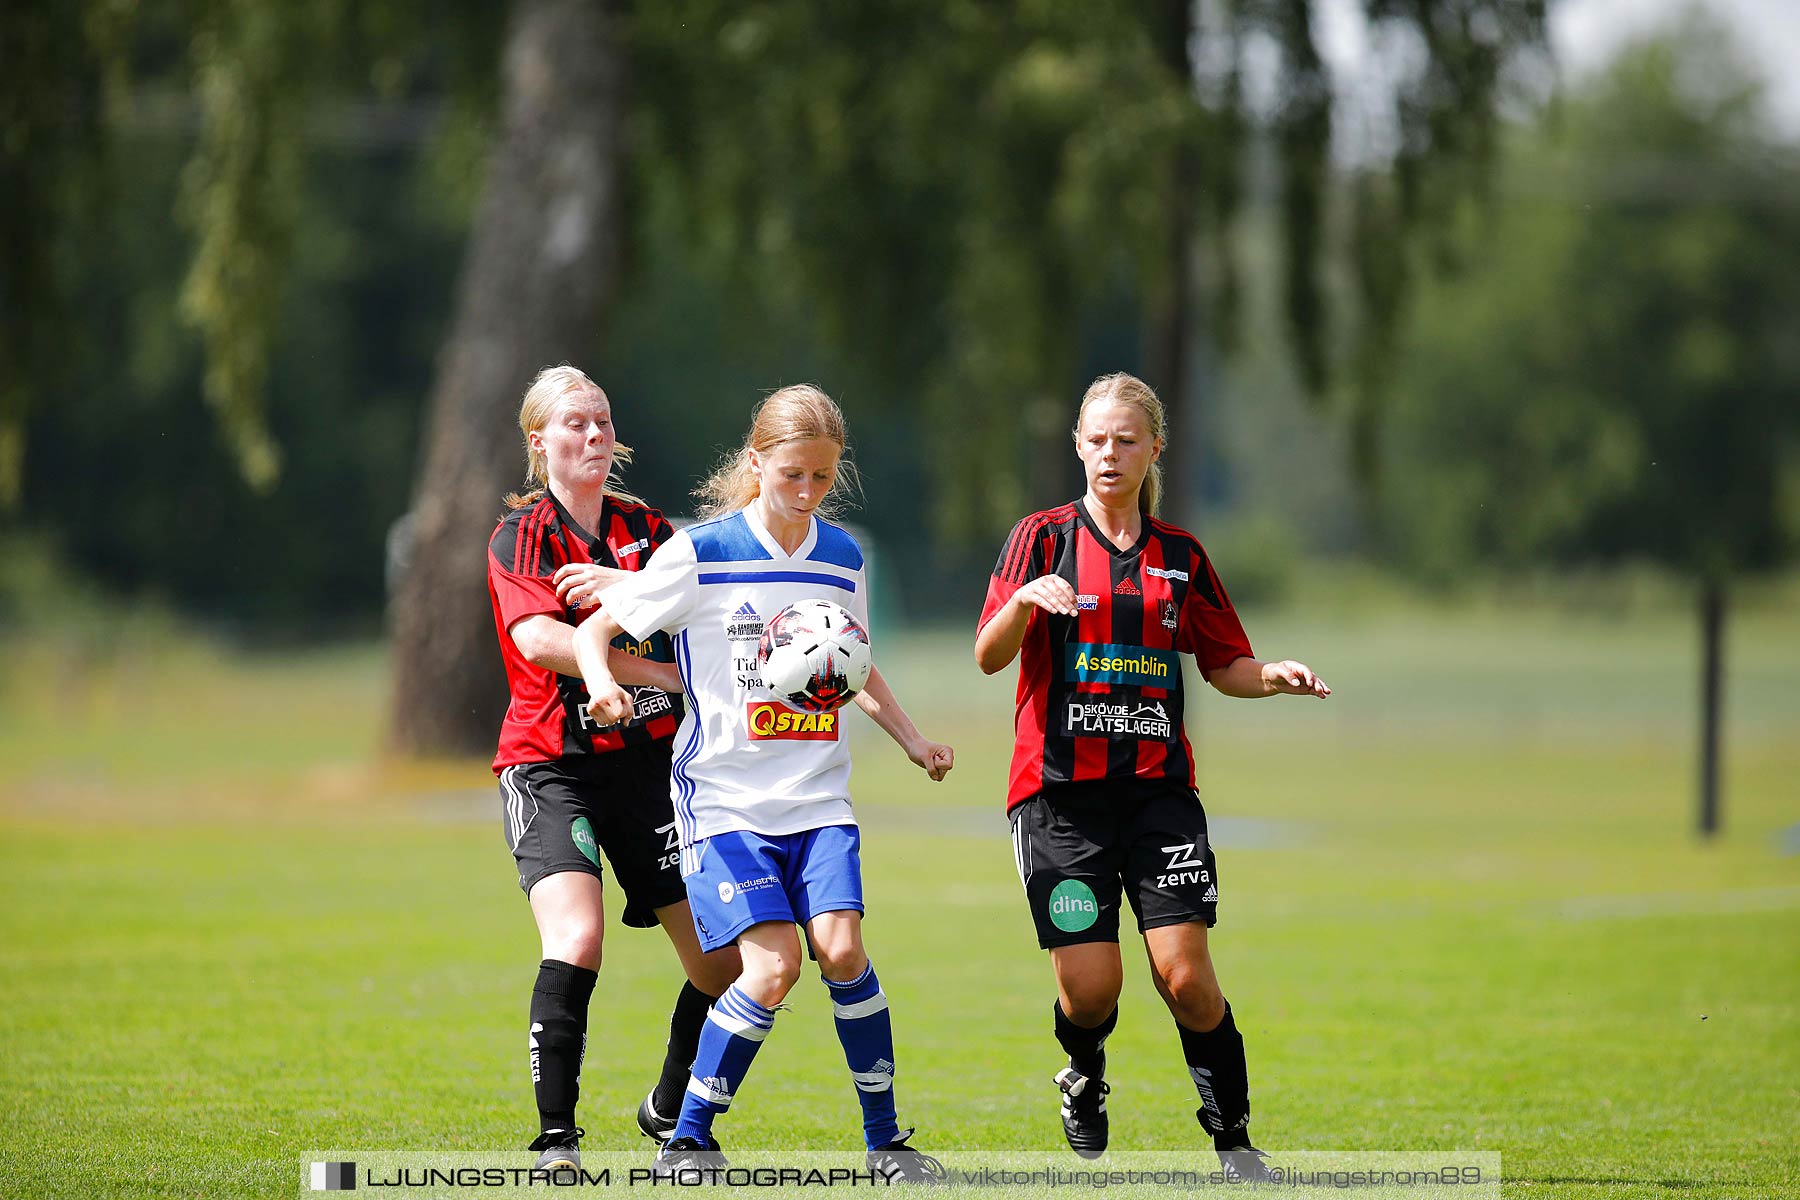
point(582, 834)
point(1072, 906)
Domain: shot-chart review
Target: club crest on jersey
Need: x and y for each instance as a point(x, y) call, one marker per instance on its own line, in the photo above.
point(1085, 603)
point(1107, 662)
point(769, 721)
point(1170, 617)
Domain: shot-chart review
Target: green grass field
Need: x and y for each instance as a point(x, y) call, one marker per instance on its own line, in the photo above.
point(1463, 909)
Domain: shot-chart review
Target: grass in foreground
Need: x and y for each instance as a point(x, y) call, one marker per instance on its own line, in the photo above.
point(1444, 934)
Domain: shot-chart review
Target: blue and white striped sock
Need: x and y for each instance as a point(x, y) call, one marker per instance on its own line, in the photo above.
point(735, 1028)
point(867, 1035)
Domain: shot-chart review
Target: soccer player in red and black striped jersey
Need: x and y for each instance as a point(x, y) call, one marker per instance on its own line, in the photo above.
point(1100, 598)
point(570, 788)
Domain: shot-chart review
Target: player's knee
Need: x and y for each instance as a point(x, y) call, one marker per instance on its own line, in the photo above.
point(714, 972)
point(771, 979)
point(841, 959)
point(1089, 1001)
point(576, 942)
point(1193, 995)
point(1090, 1008)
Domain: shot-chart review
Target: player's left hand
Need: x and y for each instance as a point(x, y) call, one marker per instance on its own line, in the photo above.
point(1290, 678)
point(935, 757)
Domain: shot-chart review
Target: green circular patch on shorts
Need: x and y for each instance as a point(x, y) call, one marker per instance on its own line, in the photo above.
point(582, 834)
point(1073, 907)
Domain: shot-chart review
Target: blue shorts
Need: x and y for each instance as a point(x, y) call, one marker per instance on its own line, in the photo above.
point(745, 879)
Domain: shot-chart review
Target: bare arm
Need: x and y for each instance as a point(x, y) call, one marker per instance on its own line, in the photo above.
point(1250, 679)
point(549, 643)
point(998, 642)
point(608, 703)
point(877, 699)
point(580, 584)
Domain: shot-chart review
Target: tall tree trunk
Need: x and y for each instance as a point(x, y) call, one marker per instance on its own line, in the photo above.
point(1169, 304)
point(540, 269)
point(1712, 652)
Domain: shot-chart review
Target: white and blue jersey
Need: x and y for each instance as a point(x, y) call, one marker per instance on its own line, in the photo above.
point(743, 759)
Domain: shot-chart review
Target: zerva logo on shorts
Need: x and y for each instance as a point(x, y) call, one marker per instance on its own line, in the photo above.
point(769, 721)
point(1106, 662)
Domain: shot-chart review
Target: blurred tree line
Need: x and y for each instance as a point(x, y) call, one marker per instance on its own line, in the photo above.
point(355, 230)
point(1615, 376)
point(952, 213)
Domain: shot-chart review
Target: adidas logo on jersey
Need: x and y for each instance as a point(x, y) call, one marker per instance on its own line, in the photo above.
point(1126, 588)
point(744, 625)
point(1211, 897)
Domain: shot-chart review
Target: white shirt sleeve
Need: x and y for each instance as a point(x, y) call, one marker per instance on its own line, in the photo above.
point(662, 595)
point(859, 602)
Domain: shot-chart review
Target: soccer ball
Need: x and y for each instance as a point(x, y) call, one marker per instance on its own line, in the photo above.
point(814, 656)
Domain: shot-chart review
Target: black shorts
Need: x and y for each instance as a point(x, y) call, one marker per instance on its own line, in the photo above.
point(1079, 846)
point(560, 815)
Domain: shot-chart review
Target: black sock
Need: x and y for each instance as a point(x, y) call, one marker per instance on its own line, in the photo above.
point(684, 1040)
point(559, 1008)
point(1215, 1059)
point(1085, 1047)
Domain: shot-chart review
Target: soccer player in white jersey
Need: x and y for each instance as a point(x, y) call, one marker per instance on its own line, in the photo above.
point(762, 804)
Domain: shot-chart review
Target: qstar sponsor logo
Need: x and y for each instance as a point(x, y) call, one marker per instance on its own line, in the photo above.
point(744, 624)
point(769, 721)
point(1122, 719)
point(1101, 662)
point(1160, 573)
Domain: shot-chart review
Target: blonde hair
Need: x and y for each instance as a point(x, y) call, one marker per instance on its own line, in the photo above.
point(792, 414)
point(1120, 388)
point(551, 385)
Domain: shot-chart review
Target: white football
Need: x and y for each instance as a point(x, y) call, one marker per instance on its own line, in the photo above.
point(815, 656)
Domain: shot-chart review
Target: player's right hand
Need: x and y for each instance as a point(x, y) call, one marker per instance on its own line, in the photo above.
point(1052, 593)
point(609, 704)
point(579, 584)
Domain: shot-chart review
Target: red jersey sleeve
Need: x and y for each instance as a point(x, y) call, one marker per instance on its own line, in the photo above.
point(1021, 561)
point(660, 529)
point(522, 558)
point(1209, 628)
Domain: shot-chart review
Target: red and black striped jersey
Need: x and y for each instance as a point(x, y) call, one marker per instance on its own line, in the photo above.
point(1100, 692)
point(547, 718)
